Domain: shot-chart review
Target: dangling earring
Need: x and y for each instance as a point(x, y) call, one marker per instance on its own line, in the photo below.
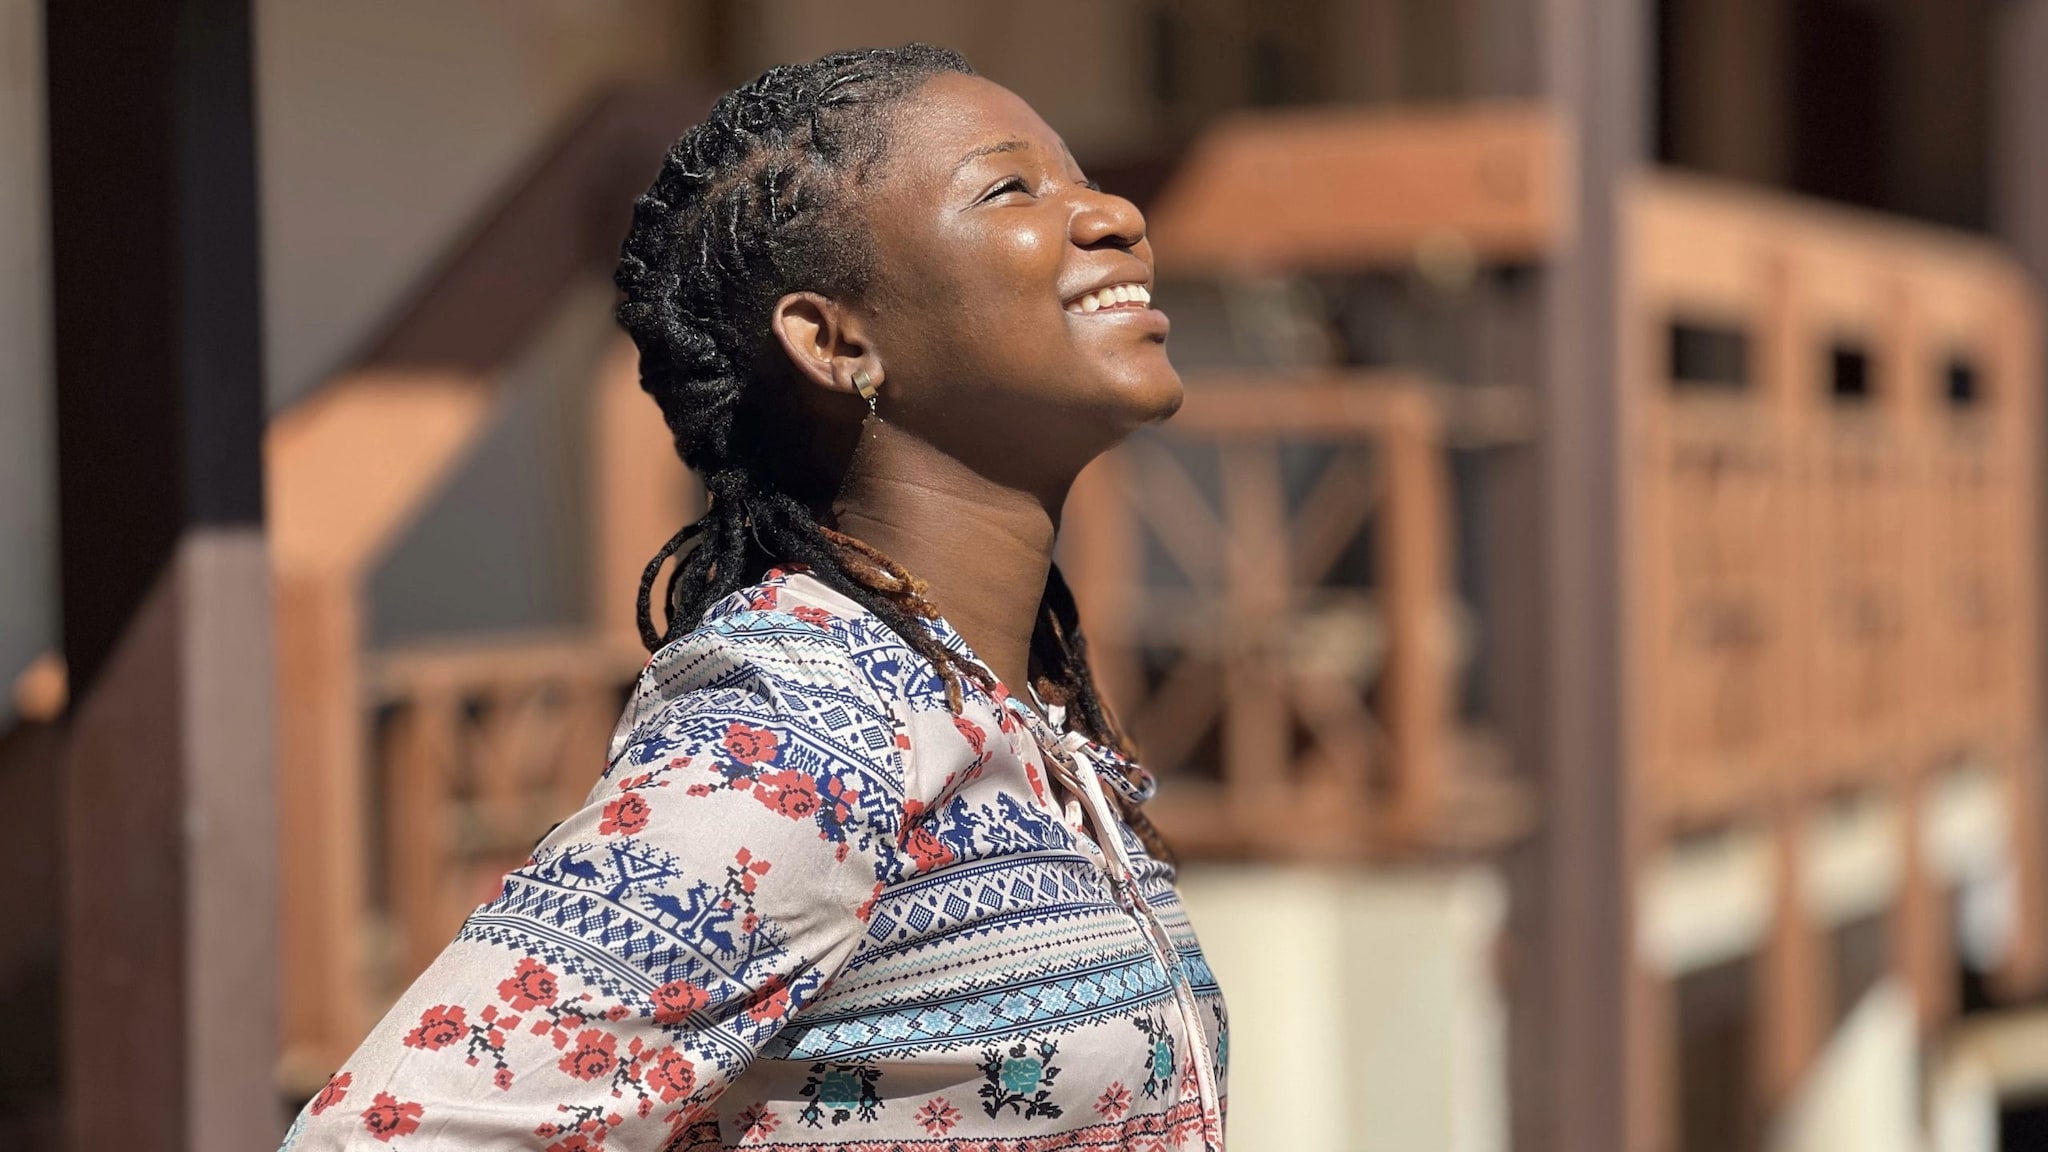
point(863, 383)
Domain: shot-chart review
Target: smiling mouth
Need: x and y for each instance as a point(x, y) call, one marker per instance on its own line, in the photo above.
point(1125, 297)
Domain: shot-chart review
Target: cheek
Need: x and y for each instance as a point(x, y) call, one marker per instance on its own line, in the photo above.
point(1014, 265)
point(1028, 245)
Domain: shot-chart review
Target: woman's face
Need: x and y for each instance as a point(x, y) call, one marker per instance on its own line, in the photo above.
point(988, 245)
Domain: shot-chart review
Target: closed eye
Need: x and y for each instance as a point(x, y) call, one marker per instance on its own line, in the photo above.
point(1010, 184)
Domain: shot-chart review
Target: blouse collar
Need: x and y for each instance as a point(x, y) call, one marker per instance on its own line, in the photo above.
point(1125, 775)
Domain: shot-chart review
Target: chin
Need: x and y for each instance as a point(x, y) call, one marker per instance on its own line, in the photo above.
point(1151, 397)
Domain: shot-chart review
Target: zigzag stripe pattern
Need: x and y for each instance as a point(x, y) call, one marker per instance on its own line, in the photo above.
point(1050, 1005)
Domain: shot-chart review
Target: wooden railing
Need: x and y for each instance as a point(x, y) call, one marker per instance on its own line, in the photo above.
point(1266, 584)
point(1832, 507)
point(480, 748)
point(1831, 529)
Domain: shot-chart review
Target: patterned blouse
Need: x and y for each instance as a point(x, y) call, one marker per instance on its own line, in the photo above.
point(807, 906)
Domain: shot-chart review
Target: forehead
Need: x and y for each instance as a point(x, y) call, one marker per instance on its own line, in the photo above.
point(951, 116)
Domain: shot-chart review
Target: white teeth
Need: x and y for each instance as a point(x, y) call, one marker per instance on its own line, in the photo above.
point(1111, 297)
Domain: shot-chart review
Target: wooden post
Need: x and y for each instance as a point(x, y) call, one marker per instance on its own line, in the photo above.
point(1577, 1075)
point(1792, 980)
point(321, 807)
point(1099, 557)
point(2020, 215)
point(345, 471)
point(170, 972)
point(642, 492)
point(1257, 732)
point(1922, 940)
point(418, 759)
point(1414, 573)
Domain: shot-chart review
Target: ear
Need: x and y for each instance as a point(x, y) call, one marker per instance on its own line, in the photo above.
point(824, 340)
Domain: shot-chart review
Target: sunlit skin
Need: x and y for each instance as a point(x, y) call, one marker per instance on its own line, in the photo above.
point(993, 394)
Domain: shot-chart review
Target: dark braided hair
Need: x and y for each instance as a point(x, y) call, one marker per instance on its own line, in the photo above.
point(748, 207)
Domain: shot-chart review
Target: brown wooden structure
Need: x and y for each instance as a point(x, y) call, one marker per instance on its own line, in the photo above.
point(1288, 657)
point(1336, 188)
point(1826, 574)
point(415, 778)
point(1832, 542)
point(347, 470)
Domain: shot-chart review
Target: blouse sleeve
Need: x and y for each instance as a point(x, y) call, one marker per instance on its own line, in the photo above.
point(717, 876)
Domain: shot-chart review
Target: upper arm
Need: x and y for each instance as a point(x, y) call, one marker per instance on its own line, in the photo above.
point(715, 878)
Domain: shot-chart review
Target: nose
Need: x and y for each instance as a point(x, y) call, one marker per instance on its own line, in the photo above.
point(1106, 220)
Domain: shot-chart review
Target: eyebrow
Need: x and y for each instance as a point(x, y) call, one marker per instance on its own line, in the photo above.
point(990, 150)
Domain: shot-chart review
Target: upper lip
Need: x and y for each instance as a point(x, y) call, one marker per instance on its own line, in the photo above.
point(1140, 275)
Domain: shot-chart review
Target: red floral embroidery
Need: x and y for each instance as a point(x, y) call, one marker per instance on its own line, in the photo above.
point(843, 799)
point(439, 1026)
point(595, 1055)
point(757, 1122)
point(937, 1116)
point(675, 1000)
point(809, 615)
point(1037, 783)
point(749, 870)
point(867, 906)
point(625, 816)
point(531, 985)
point(918, 839)
point(388, 1118)
point(584, 1131)
point(450, 1026)
point(673, 1075)
point(793, 794)
point(750, 745)
point(977, 736)
point(335, 1092)
point(1114, 1103)
point(770, 1001)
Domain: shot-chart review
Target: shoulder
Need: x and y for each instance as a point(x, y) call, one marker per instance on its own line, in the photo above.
point(762, 656)
point(795, 619)
point(770, 638)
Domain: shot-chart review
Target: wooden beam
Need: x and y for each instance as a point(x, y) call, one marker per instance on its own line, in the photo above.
point(348, 468)
point(1339, 188)
point(170, 967)
point(564, 219)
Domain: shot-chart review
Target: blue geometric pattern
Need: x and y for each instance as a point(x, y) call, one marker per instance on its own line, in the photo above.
point(950, 1023)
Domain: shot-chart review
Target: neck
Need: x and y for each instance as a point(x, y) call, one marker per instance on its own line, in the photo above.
point(982, 548)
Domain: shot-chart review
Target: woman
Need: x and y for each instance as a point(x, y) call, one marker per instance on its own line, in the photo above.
point(839, 886)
